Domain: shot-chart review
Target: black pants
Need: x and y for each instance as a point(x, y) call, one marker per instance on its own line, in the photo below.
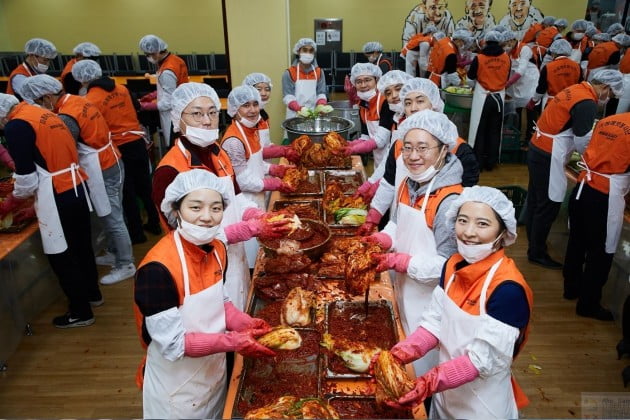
point(541, 211)
point(586, 263)
point(488, 139)
point(531, 119)
point(75, 267)
point(137, 184)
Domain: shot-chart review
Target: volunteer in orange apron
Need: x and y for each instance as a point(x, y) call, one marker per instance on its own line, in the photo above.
point(596, 211)
point(195, 116)
point(242, 144)
point(99, 157)
point(577, 38)
point(417, 230)
point(183, 315)
point(171, 72)
point(373, 51)
point(479, 316)
point(117, 106)
point(38, 52)
point(491, 71)
point(416, 52)
point(564, 126)
point(47, 167)
point(303, 84)
point(608, 54)
point(443, 58)
point(81, 51)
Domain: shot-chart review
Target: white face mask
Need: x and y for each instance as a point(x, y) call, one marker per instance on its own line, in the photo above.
point(197, 235)
point(372, 59)
point(476, 252)
point(41, 68)
point(398, 108)
point(306, 58)
point(201, 137)
point(601, 101)
point(428, 173)
point(83, 91)
point(366, 96)
point(578, 35)
point(152, 60)
point(249, 123)
point(507, 49)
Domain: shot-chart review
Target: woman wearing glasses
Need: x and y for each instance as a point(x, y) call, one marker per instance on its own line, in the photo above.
point(418, 231)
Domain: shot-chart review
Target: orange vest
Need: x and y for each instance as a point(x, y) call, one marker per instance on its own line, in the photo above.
point(624, 64)
point(54, 142)
point(204, 270)
point(177, 66)
point(558, 112)
point(562, 73)
point(93, 127)
point(516, 52)
point(417, 39)
point(311, 75)
point(433, 203)
point(437, 58)
point(251, 140)
point(493, 72)
point(22, 69)
point(67, 68)
point(585, 43)
point(530, 35)
point(600, 54)
point(546, 36)
point(118, 110)
point(373, 111)
point(538, 53)
point(465, 292)
point(608, 151)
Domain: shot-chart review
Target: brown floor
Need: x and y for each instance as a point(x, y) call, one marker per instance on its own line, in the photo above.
point(89, 372)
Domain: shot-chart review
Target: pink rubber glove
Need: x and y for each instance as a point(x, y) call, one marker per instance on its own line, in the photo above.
point(275, 151)
point(279, 170)
point(321, 101)
point(203, 344)
point(372, 220)
point(294, 106)
point(276, 184)
point(243, 231)
point(24, 214)
point(416, 345)
point(6, 158)
point(367, 190)
point(448, 375)
point(151, 96)
point(513, 79)
point(392, 260)
point(239, 321)
point(253, 213)
point(148, 106)
point(464, 61)
point(360, 146)
point(9, 204)
point(531, 105)
point(379, 238)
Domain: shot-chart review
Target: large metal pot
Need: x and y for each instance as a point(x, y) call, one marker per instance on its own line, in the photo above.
point(345, 110)
point(457, 100)
point(316, 128)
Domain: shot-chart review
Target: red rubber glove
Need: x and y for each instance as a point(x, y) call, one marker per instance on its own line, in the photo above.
point(321, 101)
point(392, 260)
point(448, 375)
point(372, 220)
point(367, 190)
point(294, 106)
point(531, 105)
point(148, 106)
point(24, 214)
point(513, 79)
point(6, 159)
point(276, 184)
point(149, 97)
point(239, 321)
point(275, 151)
point(243, 231)
point(279, 170)
point(360, 146)
point(203, 344)
point(9, 204)
point(253, 213)
point(414, 346)
point(379, 238)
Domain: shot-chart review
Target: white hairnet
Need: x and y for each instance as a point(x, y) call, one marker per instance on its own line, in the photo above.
point(431, 29)
point(579, 25)
point(493, 198)
point(622, 39)
point(85, 71)
point(615, 28)
point(509, 36)
point(185, 183)
point(372, 46)
point(87, 49)
point(391, 78)
point(427, 88)
point(562, 22)
point(439, 35)
point(493, 36)
point(150, 44)
point(603, 36)
point(500, 28)
point(560, 47)
point(35, 87)
point(463, 34)
point(365, 69)
point(7, 102)
point(185, 94)
point(591, 30)
point(40, 47)
point(434, 122)
point(548, 20)
point(303, 42)
point(254, 78)
point(241, 95)
point(612, 78)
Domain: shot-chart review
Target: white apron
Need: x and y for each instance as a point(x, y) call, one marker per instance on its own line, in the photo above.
point(479, 98)
point(401, 174)
point(305, 92)
point(525, 87)
point(256, 165)
point(165, 116)
point(488, 398)
point(265, 137)
point(412, 62)
point(191, 387)
point(413, 297)
point(88, 158)
point(53, 239)
point(624, 101)
point(372, 128)
point(619, 187)
point(576, 55)
point(561, 149)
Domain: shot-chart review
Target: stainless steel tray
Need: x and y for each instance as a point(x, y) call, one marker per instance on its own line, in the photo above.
point(314, 204)
point(257, 304)
point(349, 178)
point(314, 177)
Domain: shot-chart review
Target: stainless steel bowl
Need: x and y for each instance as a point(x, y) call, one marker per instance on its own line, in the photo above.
point(316, 128)
point(345, 110)
point(457, 100)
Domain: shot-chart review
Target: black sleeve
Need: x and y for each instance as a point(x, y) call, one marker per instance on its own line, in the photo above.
point(72, 125)
point(387, 116)
point(542, 81)
point(472, 70)
point(155, 290)
point(583, 116)
point(450, 64)
point(390, 166)
point(70, 84)
point(20, 138)
point(466, 156)
point(614, 58)
point(508, 304)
